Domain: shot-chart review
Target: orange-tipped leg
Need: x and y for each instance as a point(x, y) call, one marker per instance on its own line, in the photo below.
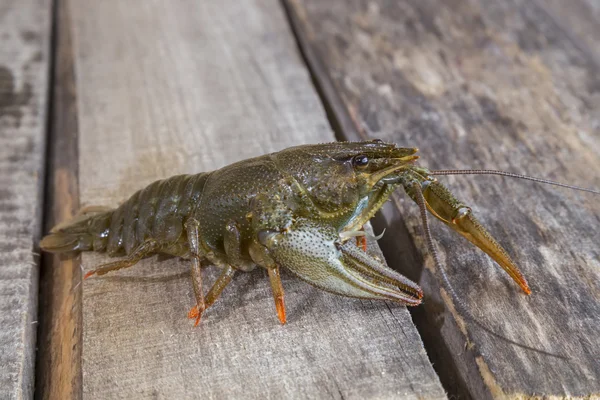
point(200, 306)
point(89, 274)
point(143, 250)
point(361, 241)
point(191, 228)
point(278, 295)
point(213, 294)
point(196, 313)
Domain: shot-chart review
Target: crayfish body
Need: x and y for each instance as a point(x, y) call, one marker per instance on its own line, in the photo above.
point(298, 209)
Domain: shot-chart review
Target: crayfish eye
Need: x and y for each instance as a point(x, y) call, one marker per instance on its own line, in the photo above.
point(360, 161)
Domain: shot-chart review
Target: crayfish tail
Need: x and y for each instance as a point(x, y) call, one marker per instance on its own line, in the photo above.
point(62, 243)
point(85, 232)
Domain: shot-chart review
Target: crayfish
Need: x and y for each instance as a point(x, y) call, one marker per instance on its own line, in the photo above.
point(298, 209)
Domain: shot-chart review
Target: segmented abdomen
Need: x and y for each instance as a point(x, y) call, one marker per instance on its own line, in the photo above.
point(156, 212)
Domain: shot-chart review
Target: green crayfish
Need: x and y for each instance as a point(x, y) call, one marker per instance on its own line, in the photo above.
point(297, 209)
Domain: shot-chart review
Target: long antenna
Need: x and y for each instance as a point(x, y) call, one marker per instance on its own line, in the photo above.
point(461, 304)
point(510, 174)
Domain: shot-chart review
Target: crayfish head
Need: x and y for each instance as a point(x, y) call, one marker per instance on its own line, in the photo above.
point(337, 176)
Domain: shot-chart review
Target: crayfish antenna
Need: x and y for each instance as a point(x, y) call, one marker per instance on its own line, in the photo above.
point(511, 175)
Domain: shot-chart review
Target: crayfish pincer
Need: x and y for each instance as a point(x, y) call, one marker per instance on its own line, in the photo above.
point(298, 209)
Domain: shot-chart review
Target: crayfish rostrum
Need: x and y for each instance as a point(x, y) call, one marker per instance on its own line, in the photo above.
point(301, 209)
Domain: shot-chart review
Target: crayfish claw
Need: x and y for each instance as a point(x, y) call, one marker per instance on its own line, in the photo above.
point(445, 207)
point(312, 251)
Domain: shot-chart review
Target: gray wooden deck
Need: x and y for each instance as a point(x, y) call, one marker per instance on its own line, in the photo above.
point(24, 60)
point(99, 98)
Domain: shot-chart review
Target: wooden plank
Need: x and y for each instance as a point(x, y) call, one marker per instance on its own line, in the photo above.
point(482, 84)
point(24, 38)
point(58, 363)
point(185, 87)
point(579, 23)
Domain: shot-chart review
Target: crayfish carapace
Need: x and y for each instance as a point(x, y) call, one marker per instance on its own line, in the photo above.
point(297, 209)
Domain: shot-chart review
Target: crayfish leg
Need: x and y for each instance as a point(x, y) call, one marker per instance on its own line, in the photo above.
point(196, 275)
point(213, 294)
point(143, 250)
point(278, 294)
point(361, 241)
point(192, 231)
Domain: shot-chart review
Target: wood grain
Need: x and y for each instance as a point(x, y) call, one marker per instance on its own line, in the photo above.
point(579, 23)
point(187, 87)
point(24, 42)
point(59, 341)
point(483, 84)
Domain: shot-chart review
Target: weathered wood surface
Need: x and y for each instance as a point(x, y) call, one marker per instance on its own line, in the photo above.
point(58, 366)
point(184, 87)
point(24, 42)
point(579, 21)
point(483, 84)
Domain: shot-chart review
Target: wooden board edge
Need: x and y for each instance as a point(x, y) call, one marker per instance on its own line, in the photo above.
point(344, 127)
point(58, 366)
